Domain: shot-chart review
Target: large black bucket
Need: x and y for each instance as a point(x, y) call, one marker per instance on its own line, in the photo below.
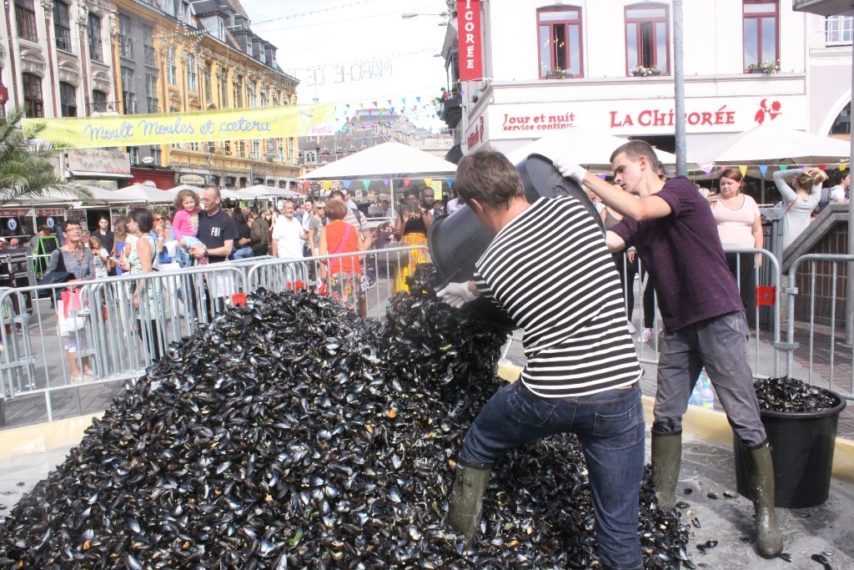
point(457, 241)
point(802, 451)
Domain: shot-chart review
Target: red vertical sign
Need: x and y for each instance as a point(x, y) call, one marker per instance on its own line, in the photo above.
point(468, 22)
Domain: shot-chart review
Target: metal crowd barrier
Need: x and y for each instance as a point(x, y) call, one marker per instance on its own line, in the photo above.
point(111, 329)
point(107, 329)
point(815, 312)
point(365, 293)
point(763, 316)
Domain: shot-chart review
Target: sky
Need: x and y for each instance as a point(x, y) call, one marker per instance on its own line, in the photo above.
point(360, 53)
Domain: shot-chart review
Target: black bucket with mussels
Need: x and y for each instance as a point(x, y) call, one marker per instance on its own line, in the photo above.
point(457, 241)
point(800, 421)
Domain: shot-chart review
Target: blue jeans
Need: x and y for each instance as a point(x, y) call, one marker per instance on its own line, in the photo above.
point(242, 253)
point(610, 426)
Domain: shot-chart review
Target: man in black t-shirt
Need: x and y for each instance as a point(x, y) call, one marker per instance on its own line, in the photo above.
point(217, 230)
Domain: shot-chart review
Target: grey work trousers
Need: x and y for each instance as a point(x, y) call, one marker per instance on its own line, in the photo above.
point(720, 345)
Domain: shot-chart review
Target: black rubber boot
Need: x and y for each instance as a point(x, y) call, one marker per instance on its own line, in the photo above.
point(466, 503)
point(666, 462)
point(760, 474)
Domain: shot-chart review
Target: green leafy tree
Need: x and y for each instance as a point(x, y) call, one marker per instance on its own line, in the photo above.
point(26, 169)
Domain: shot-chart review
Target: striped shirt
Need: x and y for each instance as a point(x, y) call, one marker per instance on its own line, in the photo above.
point(550, 270)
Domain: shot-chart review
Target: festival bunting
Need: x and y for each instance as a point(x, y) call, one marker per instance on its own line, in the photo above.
point(176, 128)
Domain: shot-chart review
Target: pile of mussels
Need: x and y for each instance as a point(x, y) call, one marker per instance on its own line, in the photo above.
point(791, 395)
point(292, 434)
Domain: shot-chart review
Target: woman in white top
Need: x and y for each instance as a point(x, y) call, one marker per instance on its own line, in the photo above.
point(798, 201)
point(739, 225)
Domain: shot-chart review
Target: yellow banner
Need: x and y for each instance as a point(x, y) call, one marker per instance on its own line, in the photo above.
point(174, 128)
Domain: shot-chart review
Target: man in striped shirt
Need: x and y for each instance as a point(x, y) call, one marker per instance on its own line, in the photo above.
point(549, 269)
point(672, 227)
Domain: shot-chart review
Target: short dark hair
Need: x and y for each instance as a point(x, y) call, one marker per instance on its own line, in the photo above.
point(634, 149)
point(336, 194)
point(336, 209)
point(143, 219)
point(67, 223)
point(488, 177)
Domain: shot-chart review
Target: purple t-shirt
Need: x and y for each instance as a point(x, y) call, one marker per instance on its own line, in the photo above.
point(684, 257)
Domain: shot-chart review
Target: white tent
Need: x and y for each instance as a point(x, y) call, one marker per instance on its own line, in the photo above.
point(388, 160)
point(768, 145)
point(586, 147)
point(383, 161)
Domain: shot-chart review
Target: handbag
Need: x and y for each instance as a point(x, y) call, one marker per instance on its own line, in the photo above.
point(73, 313)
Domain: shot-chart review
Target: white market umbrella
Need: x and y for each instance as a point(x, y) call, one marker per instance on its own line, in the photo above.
point(768, 145)
point(106, 196)
point(587, 147)
point(197, 189)
point(146, 193)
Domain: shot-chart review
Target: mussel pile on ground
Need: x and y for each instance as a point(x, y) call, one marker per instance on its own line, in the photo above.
point(790, 395)
point(292, 434)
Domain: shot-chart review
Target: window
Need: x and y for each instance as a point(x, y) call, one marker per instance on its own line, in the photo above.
point(838, 30)
point(171, 70)
point(208, 96)
point(128, 95)
point(256, 149)
point(559, 35)
point(148, 53)
point(250, 89)
point(238, 96)
point(760, 34)
point(33, 103)
point(61, 25)
point(133, 154)
point(192, 79)
point(67, 99)
point(155, 154)
point(647, 39)
point(99, 101)
point(151, 102)
point(223, 90)
point(96, 53)
point(25, 15)
point(263, 99)
point(125, 43)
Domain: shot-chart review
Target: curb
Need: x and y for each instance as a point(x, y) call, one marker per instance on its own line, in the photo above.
point(712, 426)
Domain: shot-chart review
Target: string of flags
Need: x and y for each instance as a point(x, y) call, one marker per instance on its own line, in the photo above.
point(763, 168)
point(366, 183)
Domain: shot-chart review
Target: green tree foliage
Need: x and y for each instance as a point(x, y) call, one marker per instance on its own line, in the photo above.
point(26, 169)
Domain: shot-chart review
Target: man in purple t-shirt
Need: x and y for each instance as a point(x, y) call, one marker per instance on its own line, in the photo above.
point(672, 227)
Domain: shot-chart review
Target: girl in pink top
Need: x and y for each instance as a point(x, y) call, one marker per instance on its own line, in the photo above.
point(186, 220)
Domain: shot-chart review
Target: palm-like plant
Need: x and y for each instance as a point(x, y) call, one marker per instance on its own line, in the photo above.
point(26, 170)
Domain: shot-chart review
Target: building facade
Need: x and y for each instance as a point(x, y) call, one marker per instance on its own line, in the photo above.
point(79, 58)
point(186, 56)
point(547, 66)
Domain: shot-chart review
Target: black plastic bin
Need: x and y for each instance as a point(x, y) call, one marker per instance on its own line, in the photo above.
point(802, 451)
point(458, 240)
